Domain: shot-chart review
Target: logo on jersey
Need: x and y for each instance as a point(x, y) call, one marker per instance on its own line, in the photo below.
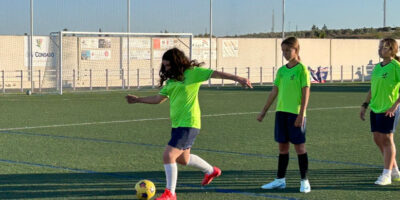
point(384, 75)
point(292, 77)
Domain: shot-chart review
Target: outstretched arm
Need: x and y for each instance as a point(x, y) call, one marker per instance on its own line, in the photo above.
point(156, 99)
point(270, 100)
point(222, 75)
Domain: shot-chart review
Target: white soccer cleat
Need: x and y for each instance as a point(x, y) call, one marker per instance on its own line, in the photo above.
point(278, 183)
point(384, 180)
point(305, 186)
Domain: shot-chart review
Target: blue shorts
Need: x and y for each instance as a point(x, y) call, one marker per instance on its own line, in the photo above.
point(285, 131)
point(183, 137)
point(383, 124)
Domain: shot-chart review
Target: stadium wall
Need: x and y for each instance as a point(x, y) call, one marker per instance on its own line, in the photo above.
point(244, 54)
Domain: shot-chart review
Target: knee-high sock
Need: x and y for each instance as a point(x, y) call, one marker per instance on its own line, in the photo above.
point(171, 173)
point(283, 162)
point(303, 165)
point(199, 163)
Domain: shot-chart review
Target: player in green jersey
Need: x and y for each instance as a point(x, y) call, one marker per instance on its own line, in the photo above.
point(383, 98)
point(183, 80)
point(292, 87)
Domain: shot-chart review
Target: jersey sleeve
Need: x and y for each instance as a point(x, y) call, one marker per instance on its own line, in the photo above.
point(202, 74)
point(164, 90)
point(305, 78)
point(277, 79)
point(397, 71)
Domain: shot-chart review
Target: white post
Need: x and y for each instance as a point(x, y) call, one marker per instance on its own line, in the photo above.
point(209, 80)
point(61, 63)
point(152, 78)
point(22, 76)
point(90, 78)
point(3, 81)
point(128, 30)
point(106, 79)
point(236, 83)
point(261, 73)
point(352, 73)
point(331, 73)
point(341, 73)
point(211, 31)
point(73, 79)
point(248, 73)
point(384, 13)
point(31, 49)
point(40, 81)
point(123, 78)
point(283, 23)
point(273, 74)
point(222, 80)
point(283, 19)
point(362, 74)
point(191, 48)
point(138, 78)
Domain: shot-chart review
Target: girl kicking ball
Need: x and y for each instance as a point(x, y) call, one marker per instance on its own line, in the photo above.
point(183, 80)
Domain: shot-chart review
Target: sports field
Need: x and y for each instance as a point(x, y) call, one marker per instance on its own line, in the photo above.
point(96, 146)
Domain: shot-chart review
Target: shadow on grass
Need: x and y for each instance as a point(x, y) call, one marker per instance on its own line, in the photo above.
point(121, 184)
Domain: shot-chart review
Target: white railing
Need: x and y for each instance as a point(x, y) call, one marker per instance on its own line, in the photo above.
point(110, 79)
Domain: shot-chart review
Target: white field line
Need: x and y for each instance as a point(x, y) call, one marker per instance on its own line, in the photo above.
point(156, 119)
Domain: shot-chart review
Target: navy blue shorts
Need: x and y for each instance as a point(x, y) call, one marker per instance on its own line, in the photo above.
point(183, 137)
point(285, 131)
point(383, 124)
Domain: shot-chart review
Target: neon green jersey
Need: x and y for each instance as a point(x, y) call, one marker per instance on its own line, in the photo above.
point(385, 84)
point(183, 97)
point(290, 82)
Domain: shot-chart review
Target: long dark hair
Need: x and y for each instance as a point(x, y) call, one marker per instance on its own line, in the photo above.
point(292, 42)
point(392, 44)
point(179, 63)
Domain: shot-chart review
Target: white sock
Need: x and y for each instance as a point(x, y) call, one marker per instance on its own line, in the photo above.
point(395, 171)
point(196, 161)
point(386, 172)
point(171, 173)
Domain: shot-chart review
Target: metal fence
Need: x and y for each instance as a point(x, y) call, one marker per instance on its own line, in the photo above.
point(18, 81)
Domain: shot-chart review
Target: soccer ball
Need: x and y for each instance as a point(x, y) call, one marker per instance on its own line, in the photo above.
point(28, 92)
point(145, 189)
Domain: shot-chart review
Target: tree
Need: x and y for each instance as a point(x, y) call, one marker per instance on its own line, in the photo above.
point(325, 28)
point(322, 34)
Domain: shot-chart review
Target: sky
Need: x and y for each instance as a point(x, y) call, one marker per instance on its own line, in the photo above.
point(230, 17)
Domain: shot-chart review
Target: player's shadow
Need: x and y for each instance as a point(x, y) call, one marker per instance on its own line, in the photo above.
point(74, 185)
point(357, 179)
point(121, 184)
point(250, 181)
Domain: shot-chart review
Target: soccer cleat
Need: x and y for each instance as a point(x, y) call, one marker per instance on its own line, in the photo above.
point(209, 177)
point(167, 195)
point(278, 183)
point(384, 180)
point(395, 177)
point(305, 186)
